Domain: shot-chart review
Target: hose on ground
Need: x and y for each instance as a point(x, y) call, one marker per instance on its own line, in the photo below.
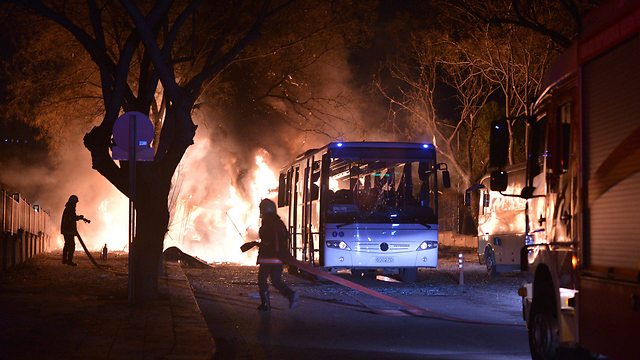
point(94, 261)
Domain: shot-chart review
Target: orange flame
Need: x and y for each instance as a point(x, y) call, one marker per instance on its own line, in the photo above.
point(211, 223)
point(214, 229)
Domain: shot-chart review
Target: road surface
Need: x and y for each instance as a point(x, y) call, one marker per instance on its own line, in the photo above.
point(335, 322)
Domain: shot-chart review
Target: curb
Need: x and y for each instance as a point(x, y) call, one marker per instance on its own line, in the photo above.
point(193, 340)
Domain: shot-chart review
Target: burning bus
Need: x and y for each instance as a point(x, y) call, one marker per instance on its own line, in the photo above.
point(364, 206)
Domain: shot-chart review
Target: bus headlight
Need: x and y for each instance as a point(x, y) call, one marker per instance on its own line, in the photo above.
point(426, 245)
point(337, 244)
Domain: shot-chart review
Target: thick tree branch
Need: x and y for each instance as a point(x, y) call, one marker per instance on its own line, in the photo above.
point(165, 74)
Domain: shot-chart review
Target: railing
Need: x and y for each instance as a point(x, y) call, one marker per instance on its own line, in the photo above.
point(26, 229)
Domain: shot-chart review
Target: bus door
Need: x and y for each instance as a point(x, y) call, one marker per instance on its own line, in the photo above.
point(311, 215)
point(295, 209)
point(307, 246)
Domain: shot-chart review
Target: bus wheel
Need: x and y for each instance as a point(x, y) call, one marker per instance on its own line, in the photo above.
point(357, 272)
point(543, 335)
point(489, 262)
point(409, 275)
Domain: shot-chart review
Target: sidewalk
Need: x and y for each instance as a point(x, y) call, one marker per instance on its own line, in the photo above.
point(53, 311)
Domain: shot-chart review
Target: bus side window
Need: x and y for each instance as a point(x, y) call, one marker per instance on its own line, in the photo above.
point(287, 193)
point(282, 189)
point(314, 190)
point(299, 184)
point(564, 124)
point(484, 202)
point(537, 149)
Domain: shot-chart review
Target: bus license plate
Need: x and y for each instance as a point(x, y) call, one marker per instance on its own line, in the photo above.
point(384, 259)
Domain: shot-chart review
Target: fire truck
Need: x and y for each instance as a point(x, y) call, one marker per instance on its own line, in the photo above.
point(582, 245)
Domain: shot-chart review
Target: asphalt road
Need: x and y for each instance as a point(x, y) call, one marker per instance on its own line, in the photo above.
point(335, 322)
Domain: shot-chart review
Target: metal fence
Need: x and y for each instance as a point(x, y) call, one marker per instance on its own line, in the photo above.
point(26, 229)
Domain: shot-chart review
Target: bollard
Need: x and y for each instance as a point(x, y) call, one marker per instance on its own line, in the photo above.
point(460, 265)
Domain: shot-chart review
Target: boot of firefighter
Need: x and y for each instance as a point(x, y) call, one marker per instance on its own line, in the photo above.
point(293, 297)
point(264, 298)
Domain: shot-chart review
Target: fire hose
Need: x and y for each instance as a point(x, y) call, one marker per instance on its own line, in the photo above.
point(410, 309)
point(91, 257)
point(93, 260)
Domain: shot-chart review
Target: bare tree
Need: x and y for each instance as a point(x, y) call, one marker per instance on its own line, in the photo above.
point(514, 60)
point(305, 82)
point(479, 60)
point(518, 39)
point(558, 20)
point(431, 63)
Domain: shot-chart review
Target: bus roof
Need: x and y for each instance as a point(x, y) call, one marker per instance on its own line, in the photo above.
point(370, 150)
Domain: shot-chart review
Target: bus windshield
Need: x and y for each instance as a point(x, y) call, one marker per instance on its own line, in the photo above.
point(390, 191)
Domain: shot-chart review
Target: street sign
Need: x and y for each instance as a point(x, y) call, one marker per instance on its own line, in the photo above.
point(144, 133)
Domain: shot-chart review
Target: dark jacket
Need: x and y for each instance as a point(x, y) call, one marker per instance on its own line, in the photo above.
point(69, 218)
point(274, 240)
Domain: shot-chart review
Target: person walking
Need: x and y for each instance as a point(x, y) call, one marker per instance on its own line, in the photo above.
point(272, 248)
point(69, 230)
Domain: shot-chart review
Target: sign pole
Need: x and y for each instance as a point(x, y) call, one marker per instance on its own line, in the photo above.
point(135, 129)
point(132, 207)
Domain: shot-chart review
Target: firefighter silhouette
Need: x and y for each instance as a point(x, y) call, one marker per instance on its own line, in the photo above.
point(69, 229)
point(273, 247)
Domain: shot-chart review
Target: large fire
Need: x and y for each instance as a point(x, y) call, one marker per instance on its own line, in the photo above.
point(214, 229)
point(214, 212)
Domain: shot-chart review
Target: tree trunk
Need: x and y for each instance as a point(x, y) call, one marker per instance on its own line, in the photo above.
point(152, 207)
point(152, 222)
point(153, 183)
